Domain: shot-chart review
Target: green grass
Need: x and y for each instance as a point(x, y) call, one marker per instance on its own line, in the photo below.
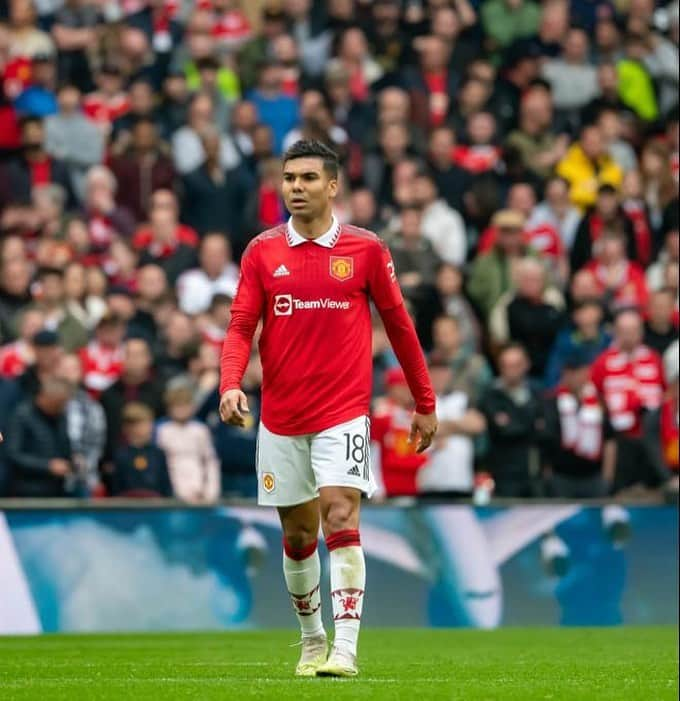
point(415, 665)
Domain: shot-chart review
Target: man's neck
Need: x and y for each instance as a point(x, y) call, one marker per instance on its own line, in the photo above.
point(313, 228)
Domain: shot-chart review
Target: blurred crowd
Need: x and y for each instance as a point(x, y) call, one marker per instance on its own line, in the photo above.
point(519, 158)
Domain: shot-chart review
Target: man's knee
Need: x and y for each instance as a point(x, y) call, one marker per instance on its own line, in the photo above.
point(339, 515)
point(299, 534)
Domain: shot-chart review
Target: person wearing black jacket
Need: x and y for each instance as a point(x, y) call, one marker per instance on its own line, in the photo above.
point(135, 384)
point(38, 448)
point(578, 441)
point(33, 167)
point(514, 415)
point(140, 466)
point(607, 215)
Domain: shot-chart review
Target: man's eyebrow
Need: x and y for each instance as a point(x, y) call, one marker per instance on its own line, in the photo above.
point(303, 173)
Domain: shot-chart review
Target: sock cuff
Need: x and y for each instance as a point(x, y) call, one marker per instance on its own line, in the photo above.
point(299, 553)
point(343, 539)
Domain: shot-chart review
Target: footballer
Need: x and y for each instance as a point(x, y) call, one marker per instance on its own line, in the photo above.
point(311, 282)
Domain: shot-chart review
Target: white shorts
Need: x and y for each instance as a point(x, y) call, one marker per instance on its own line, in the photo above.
point(290, 469)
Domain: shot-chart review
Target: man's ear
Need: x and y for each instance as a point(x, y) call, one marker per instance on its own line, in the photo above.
point(333, 187)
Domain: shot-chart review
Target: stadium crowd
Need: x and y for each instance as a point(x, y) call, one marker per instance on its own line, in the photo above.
point(519, 158)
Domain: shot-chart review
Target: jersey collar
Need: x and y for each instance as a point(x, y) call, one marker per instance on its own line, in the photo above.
point(327, 239)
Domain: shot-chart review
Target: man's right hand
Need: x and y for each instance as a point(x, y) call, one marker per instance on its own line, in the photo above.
point(233, 405)
point(59, 467)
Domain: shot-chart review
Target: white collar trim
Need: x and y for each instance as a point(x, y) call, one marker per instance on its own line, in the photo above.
point(327, 239)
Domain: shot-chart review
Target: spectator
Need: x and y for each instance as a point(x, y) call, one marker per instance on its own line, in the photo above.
point(276, 109)
point(505, 22)
point(110, 101)
point(140, 467)
point(585, 336)
point(514, 417)
point(179, 337)
point(450, 468)
point(218, 274)
point(442, 226)
point(606, 216)
point(86, 428)
point(620, 281)
point(187, 148)
point(15, 357)
point(629, 376)
point(538, 146)
point(144, 166)
point(415, 262)
point(51, 300)
point(38, 447)
point(531, 315)
point(572, 78)
point(661, 326)
point(72, 138)
point(14, 293)
point(33, 167)
point(587, 166)
point(102, 358)
point(187, 444)
point(104, 216)
point(660, 426)
point(136, 383)
point(213, 195)
point(470, 371)
point(669, 253)
point(450, 180)
point(166, 242)
point(88, 309)
point(39, 98)
point(578, 439)
point(394, 459)
point(490, 276)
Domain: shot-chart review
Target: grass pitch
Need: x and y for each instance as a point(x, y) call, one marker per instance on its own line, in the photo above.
point(420, 665)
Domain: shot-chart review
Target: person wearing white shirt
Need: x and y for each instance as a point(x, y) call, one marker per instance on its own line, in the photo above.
point(450, 468)
point(217, 274)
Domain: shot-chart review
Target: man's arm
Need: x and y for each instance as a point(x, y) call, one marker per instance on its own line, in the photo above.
point(245, 313)
point(385, 292)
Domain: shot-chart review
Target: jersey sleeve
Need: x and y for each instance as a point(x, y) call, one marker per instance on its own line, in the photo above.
point(382, 279)
point(246, 311)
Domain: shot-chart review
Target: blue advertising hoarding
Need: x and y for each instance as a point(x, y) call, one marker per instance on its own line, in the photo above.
point(440, 565)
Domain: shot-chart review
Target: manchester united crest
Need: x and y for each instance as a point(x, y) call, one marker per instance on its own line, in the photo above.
point(268, 483)
point(342, 267)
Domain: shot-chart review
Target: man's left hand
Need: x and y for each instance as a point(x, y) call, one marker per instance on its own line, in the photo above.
point(424, 425)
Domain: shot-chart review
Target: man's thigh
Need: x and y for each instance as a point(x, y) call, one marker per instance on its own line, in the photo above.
point(284, 469)
point(340, 456)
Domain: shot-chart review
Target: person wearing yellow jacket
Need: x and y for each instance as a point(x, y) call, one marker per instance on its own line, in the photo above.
point(587, 166)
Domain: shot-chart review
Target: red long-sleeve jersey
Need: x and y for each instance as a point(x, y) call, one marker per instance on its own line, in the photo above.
point(628, 383)
point(313, 299)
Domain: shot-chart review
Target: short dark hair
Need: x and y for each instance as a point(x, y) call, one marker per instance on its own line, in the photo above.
point(310, 148)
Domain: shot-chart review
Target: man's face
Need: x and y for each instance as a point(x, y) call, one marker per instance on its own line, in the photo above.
point(513, 366)
point(53, 403)
point(588, 317)
point(137, 358)
point(591, 142)
point(214, 255)
point(144, 136)
point(47, 357)
point(660, 310)
point(244, 117)
point(446, 335)
point(69, 99)
point(32, 135)
point(307, 188)
point(70, 369)
point(628, 331)
point(576, 378)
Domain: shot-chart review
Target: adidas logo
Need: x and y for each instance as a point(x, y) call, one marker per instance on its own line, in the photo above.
point(281, 271)
point(354, 471)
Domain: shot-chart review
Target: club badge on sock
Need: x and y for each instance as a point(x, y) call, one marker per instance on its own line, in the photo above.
point(306, 604)
point(347, 603)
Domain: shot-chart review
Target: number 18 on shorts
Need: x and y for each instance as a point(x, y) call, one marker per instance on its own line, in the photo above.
point(290, 469)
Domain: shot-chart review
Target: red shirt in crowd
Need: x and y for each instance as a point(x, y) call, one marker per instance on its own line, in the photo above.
point(399, 462)
point(143, 238)
point(629, 382)
point(476, 159)
point(631, 289)
point(543, 239)
point(103, 109)
point(102, 366)
point(15, 358)
point(315, 346)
